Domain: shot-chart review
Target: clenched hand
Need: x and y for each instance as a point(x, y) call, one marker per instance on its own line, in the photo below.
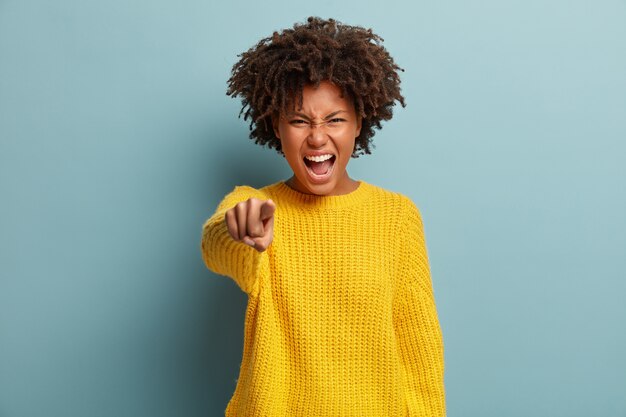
point(252, 222)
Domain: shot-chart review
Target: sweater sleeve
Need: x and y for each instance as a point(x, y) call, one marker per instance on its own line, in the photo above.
point(419, 336)
point(225, 256)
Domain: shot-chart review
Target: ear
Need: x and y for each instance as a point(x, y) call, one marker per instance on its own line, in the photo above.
point(275, 125)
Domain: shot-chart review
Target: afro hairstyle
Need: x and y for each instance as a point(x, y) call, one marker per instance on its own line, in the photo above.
point(270, 76)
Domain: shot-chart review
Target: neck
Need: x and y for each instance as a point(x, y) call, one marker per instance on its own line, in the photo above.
point(346, 186)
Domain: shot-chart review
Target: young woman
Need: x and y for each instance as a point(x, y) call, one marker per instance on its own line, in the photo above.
point(341, 317)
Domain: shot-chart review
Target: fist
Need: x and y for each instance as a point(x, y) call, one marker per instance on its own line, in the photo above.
point(252, 222)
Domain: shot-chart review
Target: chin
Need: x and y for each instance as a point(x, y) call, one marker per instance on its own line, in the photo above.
point(323, 188)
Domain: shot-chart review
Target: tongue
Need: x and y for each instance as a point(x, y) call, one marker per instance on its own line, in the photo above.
point(320, 168)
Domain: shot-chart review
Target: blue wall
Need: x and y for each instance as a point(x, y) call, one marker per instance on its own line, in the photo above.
point(117, 141)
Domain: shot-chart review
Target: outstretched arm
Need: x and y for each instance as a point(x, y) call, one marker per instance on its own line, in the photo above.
point(226, 253)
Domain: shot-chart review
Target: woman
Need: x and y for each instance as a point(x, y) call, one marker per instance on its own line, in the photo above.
point(341, 316)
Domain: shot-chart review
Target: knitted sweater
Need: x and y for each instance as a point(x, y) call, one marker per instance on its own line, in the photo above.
point(341, 317)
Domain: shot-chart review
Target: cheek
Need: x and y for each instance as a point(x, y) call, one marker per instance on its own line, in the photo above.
point(348, 149)
point(291, 150)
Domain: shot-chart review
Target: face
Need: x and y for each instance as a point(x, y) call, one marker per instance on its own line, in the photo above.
point(326, 125)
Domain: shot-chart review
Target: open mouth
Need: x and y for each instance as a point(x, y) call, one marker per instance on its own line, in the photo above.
point(320, 170)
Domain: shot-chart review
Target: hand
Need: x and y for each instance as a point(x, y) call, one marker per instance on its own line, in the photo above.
point(252, 222)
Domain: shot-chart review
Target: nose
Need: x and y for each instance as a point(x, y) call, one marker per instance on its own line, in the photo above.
point(317, 136)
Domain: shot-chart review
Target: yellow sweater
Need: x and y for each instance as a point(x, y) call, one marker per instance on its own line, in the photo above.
point(341, 317)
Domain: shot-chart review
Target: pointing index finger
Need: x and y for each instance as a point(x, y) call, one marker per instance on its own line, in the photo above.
point(267, 209)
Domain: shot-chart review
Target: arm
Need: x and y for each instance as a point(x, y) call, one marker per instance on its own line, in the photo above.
point(419, 337)
point(225, 256)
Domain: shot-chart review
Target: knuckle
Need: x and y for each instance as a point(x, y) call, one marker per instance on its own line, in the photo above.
point(241, 205)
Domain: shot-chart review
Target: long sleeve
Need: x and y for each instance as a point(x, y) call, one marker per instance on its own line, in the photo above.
point(225, 256)
point(419, 336)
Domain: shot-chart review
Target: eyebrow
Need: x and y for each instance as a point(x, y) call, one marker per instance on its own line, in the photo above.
point(325, 118)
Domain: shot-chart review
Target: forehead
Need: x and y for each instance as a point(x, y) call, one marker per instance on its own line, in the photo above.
point(325, 98)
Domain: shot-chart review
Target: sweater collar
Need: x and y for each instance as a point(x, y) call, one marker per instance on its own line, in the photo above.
point(287, 194)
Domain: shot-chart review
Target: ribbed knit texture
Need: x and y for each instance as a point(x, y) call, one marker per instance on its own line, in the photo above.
point(341, 317)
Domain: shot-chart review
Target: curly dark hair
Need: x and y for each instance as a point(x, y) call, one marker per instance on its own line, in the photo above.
point(272, 74)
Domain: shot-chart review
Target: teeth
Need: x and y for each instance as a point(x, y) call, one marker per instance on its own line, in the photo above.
point(320, 158)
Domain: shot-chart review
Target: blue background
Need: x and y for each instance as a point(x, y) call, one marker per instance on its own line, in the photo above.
point(118, 141)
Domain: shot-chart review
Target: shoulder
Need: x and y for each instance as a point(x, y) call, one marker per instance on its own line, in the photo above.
point(246, 191)
point(400, 201)
point(398, 206)
point(410, 207)
point(240, 193)
point(409, 213)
